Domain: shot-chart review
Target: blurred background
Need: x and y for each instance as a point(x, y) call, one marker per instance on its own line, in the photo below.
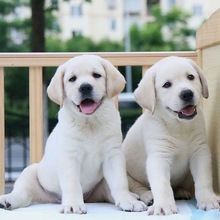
point(86, 26)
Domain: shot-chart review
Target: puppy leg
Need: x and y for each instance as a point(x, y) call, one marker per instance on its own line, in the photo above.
point(115, 175)
point(200, 165)
point(158, 172)
point(72, 194)
point(26, 191)
point(143, 192)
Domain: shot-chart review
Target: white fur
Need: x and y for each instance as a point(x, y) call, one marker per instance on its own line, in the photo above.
point(82, 148)
point(161, 149)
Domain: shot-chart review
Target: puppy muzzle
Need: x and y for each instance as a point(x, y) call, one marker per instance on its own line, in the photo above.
point(189, 111)
point(87, 105)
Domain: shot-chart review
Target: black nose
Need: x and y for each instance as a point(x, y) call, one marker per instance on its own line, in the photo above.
point(85, 89)
point(186, 95)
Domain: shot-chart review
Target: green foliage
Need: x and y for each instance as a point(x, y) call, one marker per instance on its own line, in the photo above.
point(80, 44)
point(8, 6)
point(110, 46)
point(84, 44)
point(54, 44)
point(9, 22)
point(167, 32)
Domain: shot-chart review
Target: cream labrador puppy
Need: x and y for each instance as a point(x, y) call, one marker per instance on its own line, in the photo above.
point(169, 139)
point(85, 145)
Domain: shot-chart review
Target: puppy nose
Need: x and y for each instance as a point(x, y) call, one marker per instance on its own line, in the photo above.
point(85, 88)
point(186, 95)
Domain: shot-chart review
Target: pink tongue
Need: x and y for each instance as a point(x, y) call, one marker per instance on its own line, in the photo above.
point(189, 110)
point(88, 106)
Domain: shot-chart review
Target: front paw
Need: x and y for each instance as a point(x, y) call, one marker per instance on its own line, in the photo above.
point(164, 209)
point(130, 204)
point(73, 208)
point(147, 197)
point(209, 202)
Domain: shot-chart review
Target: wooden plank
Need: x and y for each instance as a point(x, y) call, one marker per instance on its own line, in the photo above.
point(115, 100)
point(36, 113)
point(209, 33)
point(211, 107)
point(144, 69)
point(2, 132)
point(118, 59)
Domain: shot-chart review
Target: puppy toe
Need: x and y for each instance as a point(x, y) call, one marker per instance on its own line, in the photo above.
point(181, 193)
point(208, 201)
point(5, 202)
point(139, 206)
point(147, 197)
point(73, 209)
point(135, 196)
point(132, 206)
point(162, 210)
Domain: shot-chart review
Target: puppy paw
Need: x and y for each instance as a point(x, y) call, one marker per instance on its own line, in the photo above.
point(147, 197)
point(181, 193)
point(129, 203)
point(135, 195)
point(162, 209)
point(211, 202)
point(4, 204)
point(73, 209)
point(131, 206)
point(10, 202)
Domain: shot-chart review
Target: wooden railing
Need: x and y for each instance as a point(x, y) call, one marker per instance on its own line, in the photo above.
point(36, 62)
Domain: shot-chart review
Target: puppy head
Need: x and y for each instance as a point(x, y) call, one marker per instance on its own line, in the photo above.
point(175, 85)
point(85, 80)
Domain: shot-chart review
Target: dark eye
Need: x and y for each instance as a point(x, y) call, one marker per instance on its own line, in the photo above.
point(96, 75)
point(72, 79)
point(167, 85)
point(190, 77)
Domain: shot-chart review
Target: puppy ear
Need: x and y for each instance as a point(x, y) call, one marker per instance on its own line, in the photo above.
point(205, 91)
point(55, 89)
point(115, 81)
point(145, 94)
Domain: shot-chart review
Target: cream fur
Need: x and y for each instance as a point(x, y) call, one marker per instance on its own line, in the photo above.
point(161, 149)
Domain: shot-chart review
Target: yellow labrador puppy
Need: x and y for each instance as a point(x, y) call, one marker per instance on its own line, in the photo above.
point(85, 145)
point(169, 139)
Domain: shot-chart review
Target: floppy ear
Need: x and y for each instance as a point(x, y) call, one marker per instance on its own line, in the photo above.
point(55, 89)
point(205, 91)
point(145, 94)
point(115, 81)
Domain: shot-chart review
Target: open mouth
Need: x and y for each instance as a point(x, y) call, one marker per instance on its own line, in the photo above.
point(88, 106)
point(188, 112)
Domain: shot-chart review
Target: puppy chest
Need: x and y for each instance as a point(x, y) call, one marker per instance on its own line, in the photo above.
point(179, 166)
point(91, 170)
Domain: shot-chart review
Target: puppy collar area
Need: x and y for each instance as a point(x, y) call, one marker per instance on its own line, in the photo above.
point(188, 112)
point(88, 106)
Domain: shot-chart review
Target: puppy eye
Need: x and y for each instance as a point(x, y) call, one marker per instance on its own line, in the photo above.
point(96, 75)
point(167, 85)
point(190, 77)
point(72, 79)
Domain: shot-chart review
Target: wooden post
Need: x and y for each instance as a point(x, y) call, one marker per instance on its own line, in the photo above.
point(36, 113)
point(208, 48)
point(2, 132)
